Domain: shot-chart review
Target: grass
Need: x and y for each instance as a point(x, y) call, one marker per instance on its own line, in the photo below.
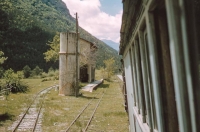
point(117, 113)
point(15, 104)
point(110, 116)
point(60, 111)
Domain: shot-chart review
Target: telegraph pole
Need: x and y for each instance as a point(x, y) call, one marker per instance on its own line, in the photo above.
point(77, 37)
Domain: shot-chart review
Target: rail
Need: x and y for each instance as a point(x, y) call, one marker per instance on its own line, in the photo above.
point(82, 111)
point(35, 124)
point(93, 114)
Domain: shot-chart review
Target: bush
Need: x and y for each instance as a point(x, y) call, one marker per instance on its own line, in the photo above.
point(20, 87)
point(51, 69)
point(51, 73)
point(43, 75)
point(46, 79)
point(13, 80)
point(56, 78)
point(54, 74)
point(103, 73)
point(27, 71)
point(36, 71)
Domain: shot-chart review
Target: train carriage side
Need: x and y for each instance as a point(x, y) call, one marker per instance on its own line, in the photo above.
point(160, 45)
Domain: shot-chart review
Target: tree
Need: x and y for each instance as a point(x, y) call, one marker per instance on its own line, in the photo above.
point(53, 53)
point(37, 71)
point(110, 67)
point(2, 58)
point(27, 71)
point(88, 56)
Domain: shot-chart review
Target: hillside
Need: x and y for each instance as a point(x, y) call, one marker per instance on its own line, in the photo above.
point(112, 44)
point(26, 26)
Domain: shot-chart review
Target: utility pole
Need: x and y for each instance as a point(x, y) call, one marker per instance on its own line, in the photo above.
point(77, 37)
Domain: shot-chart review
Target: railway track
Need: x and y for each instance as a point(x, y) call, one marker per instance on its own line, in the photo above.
point(29, 121)
point(84, 118)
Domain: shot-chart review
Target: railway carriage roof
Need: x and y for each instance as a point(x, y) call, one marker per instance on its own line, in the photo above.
point(131, 10)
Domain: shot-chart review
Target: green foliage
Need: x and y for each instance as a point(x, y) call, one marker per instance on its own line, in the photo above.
point(50, 69)
point(51, 75)
point(53, 53)
point(27, 71)
point(103, 73)
point(36, 71)
point(13, 80)
point(23, 37)
point(1, 72)
point(109, 69)
point(27, 26)
point(2, 58)
point(11, 77)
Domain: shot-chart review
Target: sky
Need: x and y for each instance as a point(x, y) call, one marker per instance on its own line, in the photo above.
point(101, 18)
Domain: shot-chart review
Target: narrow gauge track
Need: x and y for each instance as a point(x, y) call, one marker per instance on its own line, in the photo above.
point(29, 120)
point(86, 114)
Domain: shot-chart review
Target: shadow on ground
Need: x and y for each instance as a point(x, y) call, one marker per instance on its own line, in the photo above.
point(4, 117)
point(104, 85)
point(85, 97)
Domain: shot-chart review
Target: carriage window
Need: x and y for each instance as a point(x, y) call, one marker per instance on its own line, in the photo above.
point(132, 72)
point(151, 97)
point(140, 79)
point(192, 10)
point(196, 18)
point(196, 89)
point(135, 79)
point(184, 42)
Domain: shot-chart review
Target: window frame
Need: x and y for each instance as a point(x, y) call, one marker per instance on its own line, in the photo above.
point(153, 57)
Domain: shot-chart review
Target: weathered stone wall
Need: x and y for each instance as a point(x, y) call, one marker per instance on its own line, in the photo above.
point(85, 48)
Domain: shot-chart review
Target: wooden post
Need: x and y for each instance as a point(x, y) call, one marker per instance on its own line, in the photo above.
point(77, 36)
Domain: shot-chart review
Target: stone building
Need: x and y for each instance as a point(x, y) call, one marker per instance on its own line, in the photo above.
point(87, 60)
point(67, 62)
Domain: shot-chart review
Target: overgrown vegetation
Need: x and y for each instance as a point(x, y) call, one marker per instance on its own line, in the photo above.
point(13, 81)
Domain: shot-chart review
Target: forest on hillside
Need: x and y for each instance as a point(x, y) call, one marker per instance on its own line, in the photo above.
point(27, 26)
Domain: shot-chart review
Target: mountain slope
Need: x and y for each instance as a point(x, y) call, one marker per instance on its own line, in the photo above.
point(111, 44)
point(26, 26)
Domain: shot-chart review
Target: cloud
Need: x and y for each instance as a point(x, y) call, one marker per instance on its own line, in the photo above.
point(92, 19)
